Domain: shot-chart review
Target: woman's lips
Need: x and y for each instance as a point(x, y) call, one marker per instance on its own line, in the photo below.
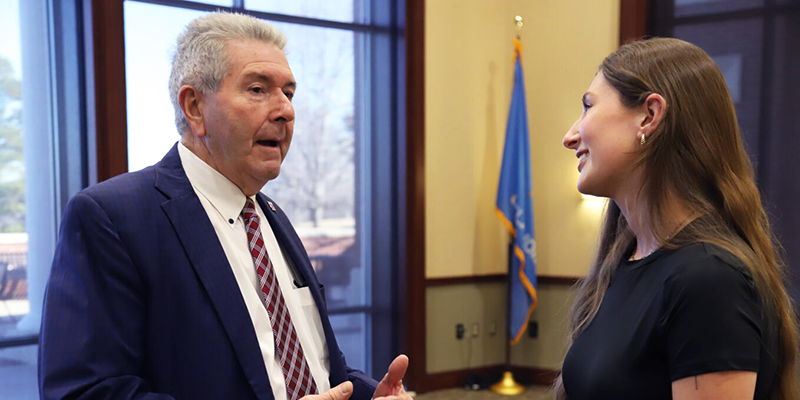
point(582, 161)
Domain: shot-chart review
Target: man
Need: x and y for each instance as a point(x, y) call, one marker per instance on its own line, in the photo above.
point(182, 281)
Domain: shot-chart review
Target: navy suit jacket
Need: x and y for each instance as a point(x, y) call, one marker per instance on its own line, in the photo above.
point(142, 302)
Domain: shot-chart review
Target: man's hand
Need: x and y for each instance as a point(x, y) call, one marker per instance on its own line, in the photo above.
point(391, 386)
point(341, 392)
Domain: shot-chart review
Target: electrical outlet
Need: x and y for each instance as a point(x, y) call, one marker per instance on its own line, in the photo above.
point(533, 329)
point(476, 329)
point(460, 331)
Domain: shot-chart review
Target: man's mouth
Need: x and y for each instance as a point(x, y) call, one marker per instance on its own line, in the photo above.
point(268, 143)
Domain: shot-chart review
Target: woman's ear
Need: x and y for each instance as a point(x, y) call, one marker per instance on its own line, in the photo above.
point(190, 99)
point(654, 108)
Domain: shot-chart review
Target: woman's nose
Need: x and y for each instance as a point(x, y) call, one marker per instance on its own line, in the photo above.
point(572, 137)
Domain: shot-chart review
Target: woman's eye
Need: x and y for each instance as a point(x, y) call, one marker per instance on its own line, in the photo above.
point(586, 106)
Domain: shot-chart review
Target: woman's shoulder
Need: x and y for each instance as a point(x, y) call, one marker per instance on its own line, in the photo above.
point(705, 267)
point(704, 258)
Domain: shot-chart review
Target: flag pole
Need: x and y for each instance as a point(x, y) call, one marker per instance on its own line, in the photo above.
point(507, 385)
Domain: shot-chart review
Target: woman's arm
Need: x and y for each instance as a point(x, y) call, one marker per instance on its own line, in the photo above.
point(725, 385)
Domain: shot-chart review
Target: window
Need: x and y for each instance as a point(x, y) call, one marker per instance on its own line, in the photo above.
point(42, 164)
point(339, 181)
point(13, 236)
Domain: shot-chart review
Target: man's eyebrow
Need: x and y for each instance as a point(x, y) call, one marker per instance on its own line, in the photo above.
point(261, 77)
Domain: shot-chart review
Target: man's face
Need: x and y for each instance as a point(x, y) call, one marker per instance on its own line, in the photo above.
point(249, 120)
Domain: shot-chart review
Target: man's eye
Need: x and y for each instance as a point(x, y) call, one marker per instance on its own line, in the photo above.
point(256, 89)
point(289, 95)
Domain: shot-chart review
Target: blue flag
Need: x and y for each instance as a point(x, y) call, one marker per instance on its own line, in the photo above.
point(515, 206)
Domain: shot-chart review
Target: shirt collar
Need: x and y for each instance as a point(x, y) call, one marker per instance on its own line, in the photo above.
point(226, 198)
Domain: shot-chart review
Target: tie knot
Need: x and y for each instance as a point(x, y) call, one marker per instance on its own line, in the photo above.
point(249, 210)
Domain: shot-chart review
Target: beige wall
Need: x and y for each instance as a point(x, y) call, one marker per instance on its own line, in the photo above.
point(480, 304)
point(468, 78)
point(484, 304)
point(468, 75)
point(548, 349)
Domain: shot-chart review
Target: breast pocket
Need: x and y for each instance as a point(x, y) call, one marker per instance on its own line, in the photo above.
point(314, 322)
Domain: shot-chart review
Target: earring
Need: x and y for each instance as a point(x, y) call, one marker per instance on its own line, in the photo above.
point(644, 139)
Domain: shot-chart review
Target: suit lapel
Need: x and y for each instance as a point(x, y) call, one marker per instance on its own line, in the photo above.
point(197, 235)
point(293, 247)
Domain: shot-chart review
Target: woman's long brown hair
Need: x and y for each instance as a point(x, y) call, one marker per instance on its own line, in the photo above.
point(697, 154)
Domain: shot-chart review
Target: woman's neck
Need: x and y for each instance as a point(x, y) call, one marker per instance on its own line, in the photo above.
point(650, 236)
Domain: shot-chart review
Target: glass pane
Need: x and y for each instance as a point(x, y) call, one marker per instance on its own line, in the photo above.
point(33, 141)
point(685, 8)
point(14, 302)
point(317, 184)
point(150, 35)
point(26, 183)
point(18, 378)
point(736, 47)
point(333, 10)
point(351, 335)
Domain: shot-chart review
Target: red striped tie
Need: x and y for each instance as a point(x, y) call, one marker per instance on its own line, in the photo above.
point(296, 373)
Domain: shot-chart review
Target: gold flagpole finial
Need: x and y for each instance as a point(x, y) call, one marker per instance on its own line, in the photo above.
point(518, 20)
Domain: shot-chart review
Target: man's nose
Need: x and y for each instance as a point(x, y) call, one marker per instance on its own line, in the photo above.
point(572, 138)
point(282, 109)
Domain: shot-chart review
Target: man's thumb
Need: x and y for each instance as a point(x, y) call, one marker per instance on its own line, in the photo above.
point(341, 392)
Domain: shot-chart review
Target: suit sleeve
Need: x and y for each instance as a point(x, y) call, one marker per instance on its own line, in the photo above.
point(363, 385)
point(91, 342)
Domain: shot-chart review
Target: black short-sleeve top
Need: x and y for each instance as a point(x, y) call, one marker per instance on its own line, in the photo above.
point(671, 315)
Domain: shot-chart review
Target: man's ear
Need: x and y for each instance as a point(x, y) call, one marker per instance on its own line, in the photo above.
point(190, 99)
point(653, 109)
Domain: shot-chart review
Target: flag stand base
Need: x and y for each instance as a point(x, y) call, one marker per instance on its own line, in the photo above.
point(507, 385)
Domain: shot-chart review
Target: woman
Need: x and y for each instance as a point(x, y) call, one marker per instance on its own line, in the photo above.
point(685, 298)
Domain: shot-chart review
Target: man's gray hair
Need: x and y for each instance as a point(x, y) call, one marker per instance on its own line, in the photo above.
point(201, 59)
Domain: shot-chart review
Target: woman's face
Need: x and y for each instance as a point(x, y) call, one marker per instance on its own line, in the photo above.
point(605, 139)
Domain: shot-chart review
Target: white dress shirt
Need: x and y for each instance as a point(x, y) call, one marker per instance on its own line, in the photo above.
point(223, 202)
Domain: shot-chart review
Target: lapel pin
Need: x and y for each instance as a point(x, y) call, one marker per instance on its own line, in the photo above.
point(272, 206)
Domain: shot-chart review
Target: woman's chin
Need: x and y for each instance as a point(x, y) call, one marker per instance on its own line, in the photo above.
point(584, 188)
point(587, 189)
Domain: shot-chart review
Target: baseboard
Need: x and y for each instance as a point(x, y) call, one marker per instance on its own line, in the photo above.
point(459, 378)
